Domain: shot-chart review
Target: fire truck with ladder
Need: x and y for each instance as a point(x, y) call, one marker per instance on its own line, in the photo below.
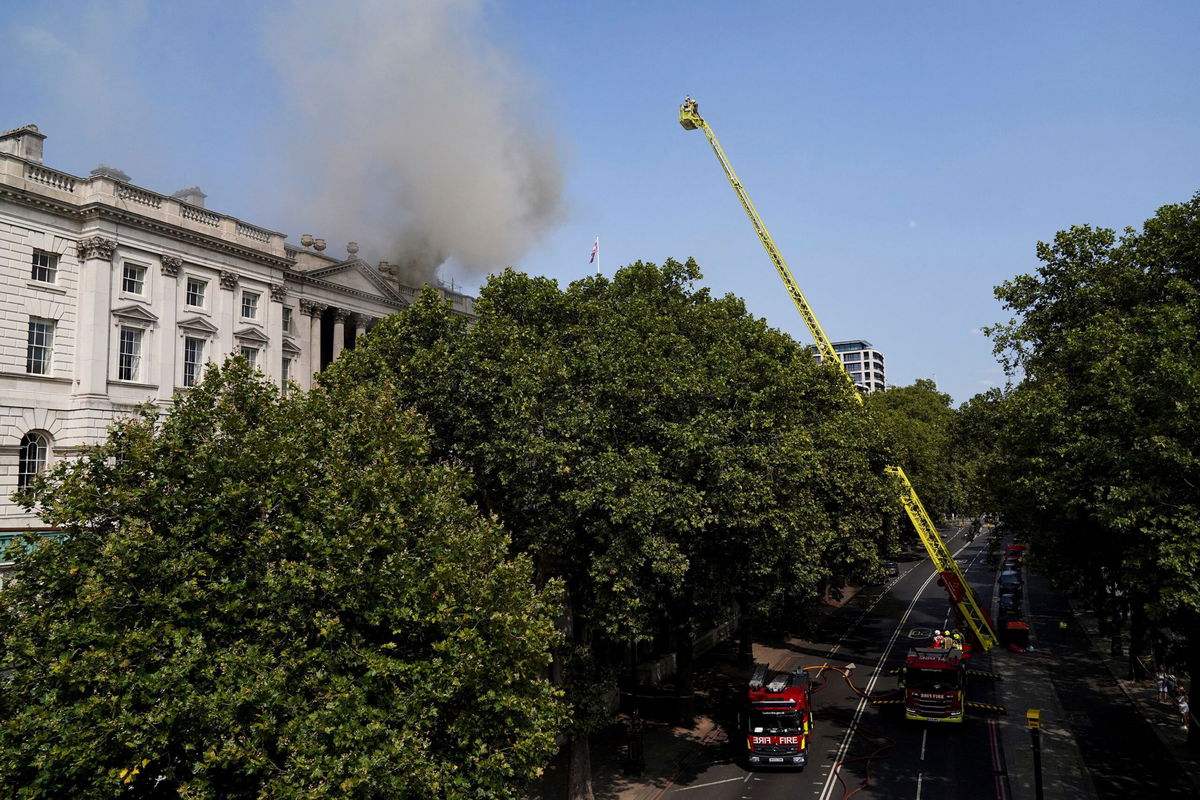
point(973, 616)
point(778, 718)
point(934, 680)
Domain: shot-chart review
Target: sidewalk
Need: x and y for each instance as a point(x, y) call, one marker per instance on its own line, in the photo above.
point(1162, 716)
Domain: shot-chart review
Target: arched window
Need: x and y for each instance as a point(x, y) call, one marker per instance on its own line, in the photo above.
point(32, 459)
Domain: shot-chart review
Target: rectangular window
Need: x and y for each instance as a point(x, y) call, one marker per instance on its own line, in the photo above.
point(287, 320)
point(251, 355)
point(195, 292)
point(37, 352)
point(133, 279)
point(129, 356)
point(249, 305)
point(285, 372)
point(193, 360)
point(45, 267)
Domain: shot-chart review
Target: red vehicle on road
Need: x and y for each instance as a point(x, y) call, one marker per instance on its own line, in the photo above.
point(935, 684)
point(778, 718)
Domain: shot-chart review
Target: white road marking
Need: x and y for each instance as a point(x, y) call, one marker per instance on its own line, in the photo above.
point(827, 791)
point(703, 785)
point(924, 735)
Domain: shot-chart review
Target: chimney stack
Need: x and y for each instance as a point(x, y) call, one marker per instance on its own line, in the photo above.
point(24, 142)
point(192, 196)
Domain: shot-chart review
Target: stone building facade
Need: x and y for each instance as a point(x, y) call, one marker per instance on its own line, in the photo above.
point(114, 295)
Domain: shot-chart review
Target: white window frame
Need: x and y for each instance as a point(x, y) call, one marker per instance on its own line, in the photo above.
point(137, 336)
point(250, 354)
point(28, 466)
point(289, 319)
point(203, 293)
point(197, 366)
point(134, 275)
point(250, 303)
point(49, 268)
point(40, 327)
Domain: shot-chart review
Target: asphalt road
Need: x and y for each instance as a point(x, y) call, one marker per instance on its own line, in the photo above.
point(855, 738)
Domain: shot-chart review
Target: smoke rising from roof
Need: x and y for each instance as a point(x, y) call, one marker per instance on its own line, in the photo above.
point(418, 138)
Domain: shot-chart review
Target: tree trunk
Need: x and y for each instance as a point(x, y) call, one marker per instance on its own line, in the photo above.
point(1137, 639)
point(745, 637)
point(1193, 668)
point(684, 668)
point(580, 773)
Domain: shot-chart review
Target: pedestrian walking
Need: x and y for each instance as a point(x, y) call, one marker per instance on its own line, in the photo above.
point(1172, 683)
point(1160, 679)
point(1184, 708)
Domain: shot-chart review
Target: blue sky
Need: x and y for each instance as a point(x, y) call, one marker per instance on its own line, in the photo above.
point(905, 157)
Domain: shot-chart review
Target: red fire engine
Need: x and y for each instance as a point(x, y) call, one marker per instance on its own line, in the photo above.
point(778, 719)
point(935, 684)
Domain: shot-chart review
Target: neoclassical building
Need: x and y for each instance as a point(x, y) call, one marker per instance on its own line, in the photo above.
point(115, 295)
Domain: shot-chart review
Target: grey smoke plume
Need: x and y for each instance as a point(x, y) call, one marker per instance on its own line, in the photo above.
point(420, 139)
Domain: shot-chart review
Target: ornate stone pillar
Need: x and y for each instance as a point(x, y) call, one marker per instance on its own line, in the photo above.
point(92, 335)
point(311, 357)
point(339, 331)
point(360, 327)
point(225, 311)
point(272, 357)
point(170, 346)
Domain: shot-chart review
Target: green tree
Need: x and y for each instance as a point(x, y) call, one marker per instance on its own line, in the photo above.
point(974, 433)
point(917, 423)
point(661, 451)
point(1100, 439)
point(269, 596)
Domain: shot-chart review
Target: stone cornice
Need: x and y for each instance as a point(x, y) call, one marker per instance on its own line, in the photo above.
point(300, 277)
point(99, 211)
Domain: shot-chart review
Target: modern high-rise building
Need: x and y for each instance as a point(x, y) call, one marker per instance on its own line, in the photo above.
point(862, 361)
point(114, 295)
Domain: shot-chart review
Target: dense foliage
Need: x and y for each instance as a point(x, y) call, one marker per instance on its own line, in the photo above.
point(268, 596)
point(1098, 446)
point(918, 424)
point(660, 450)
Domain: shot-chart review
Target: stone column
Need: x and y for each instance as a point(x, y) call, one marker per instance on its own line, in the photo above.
point(92, 334)
point(312, 348)
point(273, 362)
point(360, 327)
point(226, 305)
point(170, 346)
point(339, 331)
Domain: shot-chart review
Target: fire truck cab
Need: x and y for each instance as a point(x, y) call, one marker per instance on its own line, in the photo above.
point(935, 683)
point(778, 718)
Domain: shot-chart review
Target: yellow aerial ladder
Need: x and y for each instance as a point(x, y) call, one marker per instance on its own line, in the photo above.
point(956, 584)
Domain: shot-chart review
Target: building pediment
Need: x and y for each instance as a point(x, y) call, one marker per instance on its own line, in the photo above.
point(135, 314)
point(358, 277)
point(198, 325)
point(252, 335)
point(289, 346)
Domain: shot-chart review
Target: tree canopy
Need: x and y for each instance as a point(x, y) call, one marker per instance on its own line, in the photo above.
point(1098, 450)
point(269, 596)
point(660, 450)
point(918, 424)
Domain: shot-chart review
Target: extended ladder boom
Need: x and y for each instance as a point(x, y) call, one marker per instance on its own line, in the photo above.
point(690, 119)
point(956, 583)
